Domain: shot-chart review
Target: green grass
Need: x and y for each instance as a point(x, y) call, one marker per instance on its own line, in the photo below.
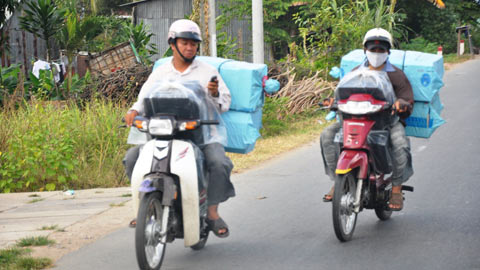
point(117, 204)
point(51, 148)
point(126, 195)
point(18, 259)
point(36, 200)
point(49, 228)
point(452, 58)
point(35, 241)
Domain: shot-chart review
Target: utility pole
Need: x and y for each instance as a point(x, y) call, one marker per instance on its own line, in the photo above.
point(212, 28)
point(257, 32)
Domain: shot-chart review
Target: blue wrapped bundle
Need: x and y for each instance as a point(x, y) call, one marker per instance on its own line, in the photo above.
point(425, 118)
point(242, 130)
point(425, 73)
point(351, 60)
point(397, 58)
point(243, 79)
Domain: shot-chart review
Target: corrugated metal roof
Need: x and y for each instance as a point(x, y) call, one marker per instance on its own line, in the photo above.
point(133, 3)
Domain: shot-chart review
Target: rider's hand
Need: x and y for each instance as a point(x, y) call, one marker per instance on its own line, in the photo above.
point(129, 117)
point(401, 106)
point(213, 88)
point(328, 102)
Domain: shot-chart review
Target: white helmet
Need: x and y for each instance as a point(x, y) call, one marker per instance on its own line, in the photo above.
point(184, 29)
point(378, 37)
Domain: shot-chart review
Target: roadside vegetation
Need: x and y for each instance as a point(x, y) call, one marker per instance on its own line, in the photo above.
point(67, 136)
point(18, 257)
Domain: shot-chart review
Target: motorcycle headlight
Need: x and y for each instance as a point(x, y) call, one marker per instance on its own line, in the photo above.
point(160, 127)
point(359, 107)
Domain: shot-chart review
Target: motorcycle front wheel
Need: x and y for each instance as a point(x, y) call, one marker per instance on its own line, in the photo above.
point(149, 248)
point(344, 217)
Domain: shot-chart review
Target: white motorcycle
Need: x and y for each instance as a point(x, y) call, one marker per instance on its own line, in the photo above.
point(169, 172)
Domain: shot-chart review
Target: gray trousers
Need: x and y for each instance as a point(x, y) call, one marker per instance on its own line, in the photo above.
point(219, 167)
point(401, 156)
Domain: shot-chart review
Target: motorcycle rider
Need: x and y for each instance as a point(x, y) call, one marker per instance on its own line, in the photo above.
point(184, 38)
point(377, 43)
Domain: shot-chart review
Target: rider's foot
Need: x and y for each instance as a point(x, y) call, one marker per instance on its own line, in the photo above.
point(214, 216)
point(329, 196)
point(396, 200)
point(133, 223)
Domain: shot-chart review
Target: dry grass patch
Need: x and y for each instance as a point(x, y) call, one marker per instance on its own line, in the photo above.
point(302, 132)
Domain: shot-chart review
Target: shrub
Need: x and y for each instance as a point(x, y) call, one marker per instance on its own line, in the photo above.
point(275, 116)
point(50, 146)
point(420, 44)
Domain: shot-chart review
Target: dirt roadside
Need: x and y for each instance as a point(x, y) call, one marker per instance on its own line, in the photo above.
point(86, 231)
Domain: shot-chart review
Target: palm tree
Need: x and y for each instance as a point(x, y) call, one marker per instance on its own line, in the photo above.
point(43, 19)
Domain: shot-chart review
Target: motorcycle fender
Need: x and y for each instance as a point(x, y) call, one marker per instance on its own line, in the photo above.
point(142, 167)
point(183, 164)
point(351, 159)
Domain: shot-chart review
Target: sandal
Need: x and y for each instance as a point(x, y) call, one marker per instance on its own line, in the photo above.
point(329, 196)
point(133, 223)
point(396, 200)
point(216, 225)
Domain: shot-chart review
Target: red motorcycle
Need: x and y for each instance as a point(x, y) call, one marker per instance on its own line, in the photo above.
point(364, 103)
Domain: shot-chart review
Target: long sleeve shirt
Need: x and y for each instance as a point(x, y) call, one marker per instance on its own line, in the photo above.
point(197, 71)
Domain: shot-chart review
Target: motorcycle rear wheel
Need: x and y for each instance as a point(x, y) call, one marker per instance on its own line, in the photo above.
point(344, 217)
point(149, 249)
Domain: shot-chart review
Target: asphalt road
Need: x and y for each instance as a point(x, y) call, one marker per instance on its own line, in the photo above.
point(278, 220)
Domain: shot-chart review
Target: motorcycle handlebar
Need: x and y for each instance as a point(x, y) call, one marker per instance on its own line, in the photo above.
point(209, 122)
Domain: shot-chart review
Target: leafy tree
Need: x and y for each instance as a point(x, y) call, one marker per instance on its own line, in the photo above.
point(433, 24)
point(329, 29)
point(140, 37)
point(468, 11)
point(8, 6)
point(43, 19)
point(71, 39)
point(108, 7)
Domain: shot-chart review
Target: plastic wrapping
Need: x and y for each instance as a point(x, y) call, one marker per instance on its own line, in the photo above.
point(366, 81)
point(243, 130)
point(187, 101)
point(425, 72)
point(425, 118)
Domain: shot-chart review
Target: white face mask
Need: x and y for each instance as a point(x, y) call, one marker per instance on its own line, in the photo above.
point(376, 59)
